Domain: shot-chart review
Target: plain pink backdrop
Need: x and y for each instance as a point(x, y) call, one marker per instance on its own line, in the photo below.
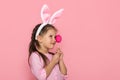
point(90, 31)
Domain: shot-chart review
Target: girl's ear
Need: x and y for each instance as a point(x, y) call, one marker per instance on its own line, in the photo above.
point(39, 38)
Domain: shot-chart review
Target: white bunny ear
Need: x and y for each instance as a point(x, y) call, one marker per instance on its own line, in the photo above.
point(55, 16)
point(45, 13)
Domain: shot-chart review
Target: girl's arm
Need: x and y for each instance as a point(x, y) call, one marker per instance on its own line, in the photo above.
point(36, 65)
point(62, 66)
point(51, 65)
point(49, 68)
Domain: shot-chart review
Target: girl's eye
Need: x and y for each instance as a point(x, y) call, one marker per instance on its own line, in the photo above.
point(50, 35)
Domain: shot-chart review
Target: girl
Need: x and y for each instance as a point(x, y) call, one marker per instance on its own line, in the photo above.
point(44, 64)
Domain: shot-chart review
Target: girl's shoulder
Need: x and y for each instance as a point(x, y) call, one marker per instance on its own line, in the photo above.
point(35, 58)
point(35, 55)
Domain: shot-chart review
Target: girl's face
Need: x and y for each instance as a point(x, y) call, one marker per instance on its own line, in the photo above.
point(48, 40)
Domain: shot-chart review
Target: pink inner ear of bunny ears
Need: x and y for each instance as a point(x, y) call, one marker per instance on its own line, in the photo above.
point(55, 16)
point(45, 15)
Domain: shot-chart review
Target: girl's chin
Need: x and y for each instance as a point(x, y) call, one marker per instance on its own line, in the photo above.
point(52, 46)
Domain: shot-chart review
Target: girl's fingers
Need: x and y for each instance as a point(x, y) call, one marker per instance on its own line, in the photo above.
point(58, 50)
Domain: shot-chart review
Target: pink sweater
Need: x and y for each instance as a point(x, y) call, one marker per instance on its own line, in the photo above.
point(36, 65)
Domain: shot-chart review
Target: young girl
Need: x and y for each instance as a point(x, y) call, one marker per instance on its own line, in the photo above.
point(44, 64)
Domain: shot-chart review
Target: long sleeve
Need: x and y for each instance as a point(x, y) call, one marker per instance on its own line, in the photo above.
point(36, 64)
point(64, 76)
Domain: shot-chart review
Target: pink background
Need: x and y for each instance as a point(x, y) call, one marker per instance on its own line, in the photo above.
point(90, 31)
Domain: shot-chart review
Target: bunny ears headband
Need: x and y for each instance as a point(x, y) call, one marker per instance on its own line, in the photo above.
point(47, 19)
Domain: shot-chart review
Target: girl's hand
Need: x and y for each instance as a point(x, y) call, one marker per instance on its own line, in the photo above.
point(59, 51)
point(56, 58)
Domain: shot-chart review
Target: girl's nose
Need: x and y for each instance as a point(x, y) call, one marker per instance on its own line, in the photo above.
point(54, 40)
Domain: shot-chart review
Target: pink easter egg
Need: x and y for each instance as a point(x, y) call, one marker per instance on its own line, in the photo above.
point(58, 38)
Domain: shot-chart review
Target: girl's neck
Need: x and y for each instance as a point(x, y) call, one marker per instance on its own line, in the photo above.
point(43, 50)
